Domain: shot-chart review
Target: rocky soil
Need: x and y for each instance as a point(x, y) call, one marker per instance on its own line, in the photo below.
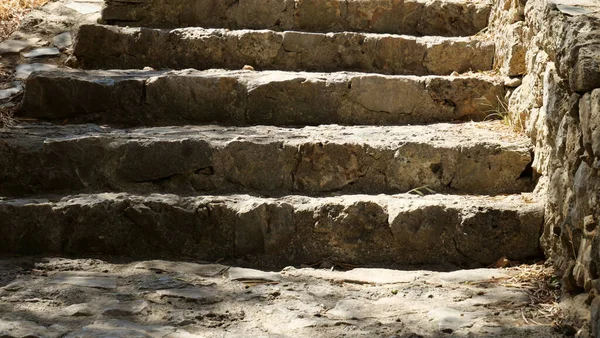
point(43, 42)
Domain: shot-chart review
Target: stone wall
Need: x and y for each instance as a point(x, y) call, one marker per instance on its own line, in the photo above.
point(554, 47)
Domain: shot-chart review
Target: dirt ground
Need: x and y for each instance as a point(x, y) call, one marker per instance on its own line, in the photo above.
point(59, 297)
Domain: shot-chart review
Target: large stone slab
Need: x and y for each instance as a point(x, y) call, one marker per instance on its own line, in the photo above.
point(24, 70)
point(108, 47)
point(476, 158)
point(244, 274)
point(202, 295)
point(361, 275)
point(79, 278)
point(122, 328)
point(360, 229)
point(203, 270)
point(440, 18)
point(247, 97)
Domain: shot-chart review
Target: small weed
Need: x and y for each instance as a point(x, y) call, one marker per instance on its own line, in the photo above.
point(499, 111)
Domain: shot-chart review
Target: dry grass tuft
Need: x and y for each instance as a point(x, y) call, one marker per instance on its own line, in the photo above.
point(499, 110)
point(6, 117)
point(13, 11)
point(543, 288)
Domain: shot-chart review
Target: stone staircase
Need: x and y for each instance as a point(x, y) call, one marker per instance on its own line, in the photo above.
point(282, 132)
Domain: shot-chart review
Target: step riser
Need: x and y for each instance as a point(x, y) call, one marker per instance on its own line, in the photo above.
point(220, 160)
point(245, 98)
point(364, 230)
point(123, 48)
point(435, 18)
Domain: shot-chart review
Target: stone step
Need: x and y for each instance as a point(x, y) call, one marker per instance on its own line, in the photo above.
point(106, 47)
point(438, 17)
point(357, 229)
point(137, 98)
point(468, 158)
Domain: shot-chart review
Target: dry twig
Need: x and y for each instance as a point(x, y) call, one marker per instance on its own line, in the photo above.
point(540, 283)
point(12, 13)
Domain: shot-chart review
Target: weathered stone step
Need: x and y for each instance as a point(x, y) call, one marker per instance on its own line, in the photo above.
point(245, 97)
point(357, 229)
point(106, 47)
point(478, 158)
point(438, 17)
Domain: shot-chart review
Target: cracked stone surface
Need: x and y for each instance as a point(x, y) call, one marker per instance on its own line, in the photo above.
point(247, 97)
point(359, 229)
point(438, 18)
point(303, 302)
point(477, 158)
point(109, 47)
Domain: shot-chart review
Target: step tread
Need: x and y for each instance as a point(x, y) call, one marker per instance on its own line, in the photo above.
point(492, 133)
point(480, 158)
point(104, 47)
point(257, 97)
point(442, 17)
point(288, 230)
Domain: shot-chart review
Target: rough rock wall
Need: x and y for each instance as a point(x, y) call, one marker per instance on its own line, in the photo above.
point(555, 47)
